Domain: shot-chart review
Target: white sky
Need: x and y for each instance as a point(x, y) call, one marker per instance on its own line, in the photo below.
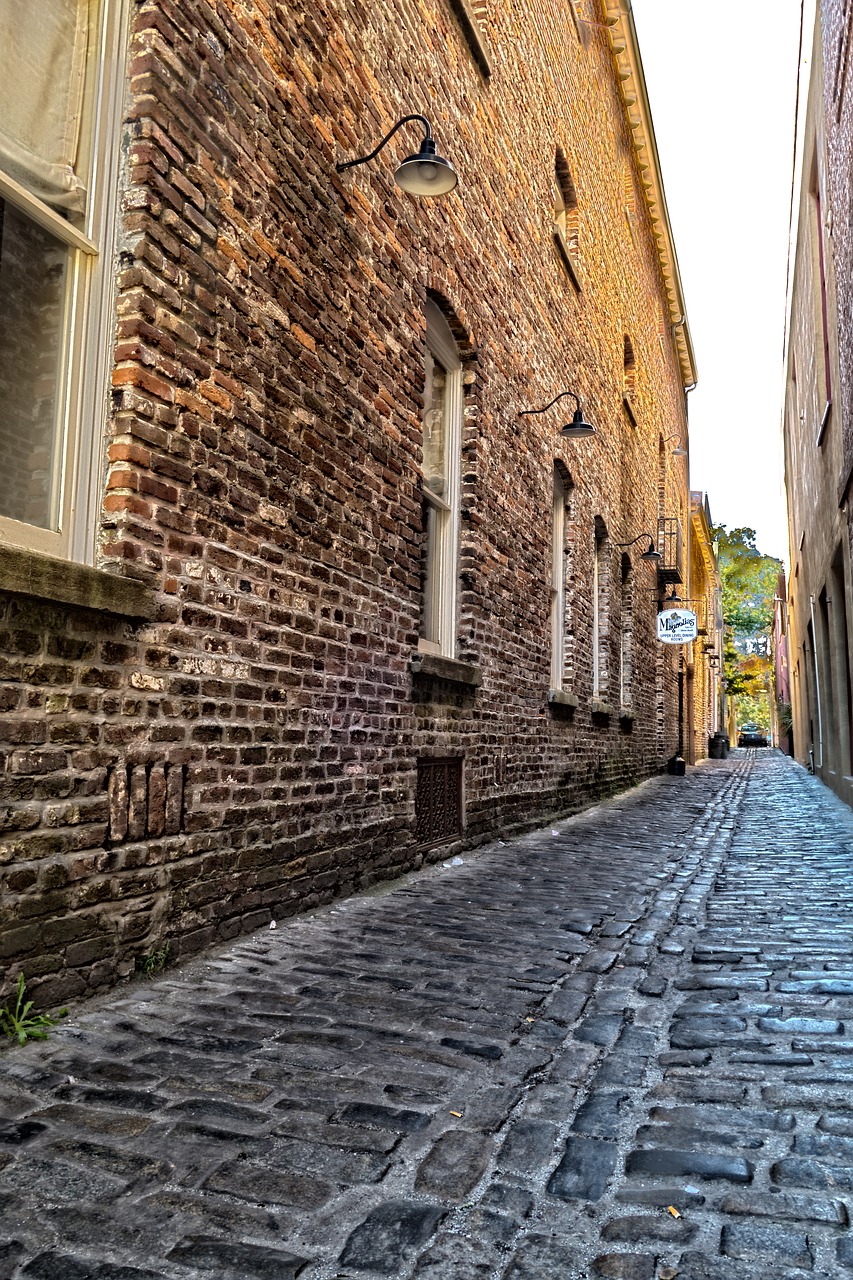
point(722, 81)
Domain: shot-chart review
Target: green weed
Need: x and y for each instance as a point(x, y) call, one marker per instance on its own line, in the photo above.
point(154, 962)
point(22, 1025)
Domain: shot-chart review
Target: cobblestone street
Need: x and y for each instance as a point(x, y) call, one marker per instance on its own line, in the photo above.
point(616, 1048)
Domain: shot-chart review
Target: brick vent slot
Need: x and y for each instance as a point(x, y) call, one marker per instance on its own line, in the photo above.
point(438, 805)
point(145, 800)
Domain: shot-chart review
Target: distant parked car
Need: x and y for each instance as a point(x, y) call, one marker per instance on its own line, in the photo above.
point(751, 736)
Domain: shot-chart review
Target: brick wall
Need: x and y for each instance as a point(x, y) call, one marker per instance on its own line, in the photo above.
point(254, 749)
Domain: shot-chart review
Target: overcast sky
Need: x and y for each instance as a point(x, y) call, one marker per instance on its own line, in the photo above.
point(722, 81)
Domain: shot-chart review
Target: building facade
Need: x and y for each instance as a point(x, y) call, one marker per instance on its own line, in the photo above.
point(703, 659)
point(816, 413)
point(301, 582)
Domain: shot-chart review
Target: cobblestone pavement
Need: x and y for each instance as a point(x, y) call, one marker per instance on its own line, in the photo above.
point(617, 1048)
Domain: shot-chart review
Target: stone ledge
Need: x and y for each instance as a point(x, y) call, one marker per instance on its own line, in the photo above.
point(436, 667)
point(626, 713)
point(599, 708)
point(562, 698)
point(473, 32)
point(28, 573)
point(568, 259)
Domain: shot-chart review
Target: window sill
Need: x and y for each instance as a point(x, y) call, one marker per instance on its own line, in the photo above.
point(627, 713)
point(569, 260)
point(28, 573)
point(600, 708)
point(629, 411)
point(562, 698)
point(435, 667)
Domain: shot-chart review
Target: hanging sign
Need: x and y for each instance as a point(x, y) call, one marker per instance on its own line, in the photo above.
point(677, 626)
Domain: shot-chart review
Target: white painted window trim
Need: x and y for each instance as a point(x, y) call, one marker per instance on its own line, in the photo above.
point(85, 360)
point(443, 548)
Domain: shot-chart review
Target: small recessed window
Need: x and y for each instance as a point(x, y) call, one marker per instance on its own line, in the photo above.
point(566, 221)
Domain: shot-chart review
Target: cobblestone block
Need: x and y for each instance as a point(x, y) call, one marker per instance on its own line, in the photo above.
point(246, 1180)
point(801, 1172)
point(625, 1266)
point(600, 1029)
point(584, 1170)
point(528, 1145)
point(333, 1164)
point(802, 1026)
point(786, 1208)
point(46, 1180)
point(809, 1097)
point(10, 1253)
point(687, 1138)
point(599, 1116)
point(372, 1116)
point(643, 1228)
point(680, 1197)
point(52, 1266)
point(772, 1244)
point(389, 1236)
point(457, 1257)
point(665, 1163)
point(254, 1262)
point(542, 1258)
point(823, 1146)
point(748, 1118)
point(454, 1166)
point(489, 1110)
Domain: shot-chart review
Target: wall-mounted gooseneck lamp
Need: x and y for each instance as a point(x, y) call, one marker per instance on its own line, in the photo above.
point(679, 451)
point(425, 174)
point(578, 428)
point(651, 552)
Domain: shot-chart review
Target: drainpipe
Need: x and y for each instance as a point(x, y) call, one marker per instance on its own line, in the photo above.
point(817, 687)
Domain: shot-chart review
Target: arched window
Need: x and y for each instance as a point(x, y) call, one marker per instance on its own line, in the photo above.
point(442, 439)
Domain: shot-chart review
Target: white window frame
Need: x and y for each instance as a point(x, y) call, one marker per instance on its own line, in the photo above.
point(440, 584)
point(85, 357)
point(558, 584)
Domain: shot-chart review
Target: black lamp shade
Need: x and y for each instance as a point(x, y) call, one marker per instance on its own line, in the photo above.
point(426, 174)
point(651, 553)
point(578, 427)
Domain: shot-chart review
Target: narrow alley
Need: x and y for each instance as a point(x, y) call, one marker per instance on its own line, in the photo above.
point(617, 1047)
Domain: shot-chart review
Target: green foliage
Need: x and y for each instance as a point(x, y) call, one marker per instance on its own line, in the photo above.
point(754, 711)
point(23, 1025)
point(748, 581)
point(154, 962)
point(785, 716)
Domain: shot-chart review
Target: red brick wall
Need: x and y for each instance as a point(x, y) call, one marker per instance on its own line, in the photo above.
point(255, 750)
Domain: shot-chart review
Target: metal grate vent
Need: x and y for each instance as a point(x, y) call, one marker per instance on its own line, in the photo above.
point(438, 805)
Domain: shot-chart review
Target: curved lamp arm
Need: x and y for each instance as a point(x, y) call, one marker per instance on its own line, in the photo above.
point(637, 539)
point(348, 164)
point(525, 412)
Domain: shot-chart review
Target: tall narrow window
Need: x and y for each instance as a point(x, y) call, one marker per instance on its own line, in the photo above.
point(441, 447)
point(558, 583)
point(600, 610)
point(626, 638)
point(823, 359)
point(566, 224)
point(61, 76)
